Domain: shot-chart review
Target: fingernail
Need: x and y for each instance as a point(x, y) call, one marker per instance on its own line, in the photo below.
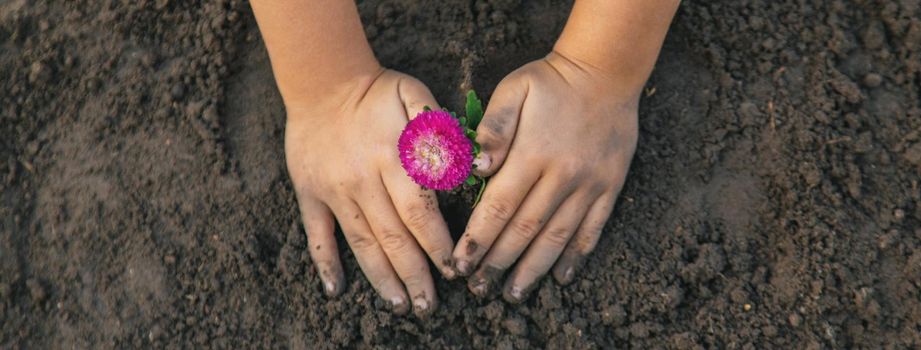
point(398, 305)
point(330, 287)
point(567, 276)
point(448, 273)
point(420, 305)
point(515, 293)
point(463, 267)
point(482, 161)
point(479, 288)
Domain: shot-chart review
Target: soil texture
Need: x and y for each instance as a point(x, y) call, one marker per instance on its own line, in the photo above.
point(774, 200)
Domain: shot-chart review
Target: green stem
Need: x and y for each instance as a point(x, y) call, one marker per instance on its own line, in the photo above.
point(480, 193)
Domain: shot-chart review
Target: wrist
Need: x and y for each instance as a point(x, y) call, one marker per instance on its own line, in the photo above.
point(597, 83)
point(621, 39)
point(324, 99)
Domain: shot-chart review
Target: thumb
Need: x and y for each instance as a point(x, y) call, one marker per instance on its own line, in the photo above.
point(497, 129)
point(416, 96)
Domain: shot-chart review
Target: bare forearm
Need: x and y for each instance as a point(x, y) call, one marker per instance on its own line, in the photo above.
point(619, 37)
point(316, 47)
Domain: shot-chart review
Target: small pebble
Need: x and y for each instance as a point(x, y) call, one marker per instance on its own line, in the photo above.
point(769, 44)
point(516, 325)
point(210, 114)
point(872, 80)
point(177, 91)
point(39, 72)
point(614, 315)
point(36, 290)
point(155, 333)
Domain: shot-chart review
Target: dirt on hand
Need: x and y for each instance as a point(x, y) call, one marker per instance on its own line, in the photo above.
point(774, 199)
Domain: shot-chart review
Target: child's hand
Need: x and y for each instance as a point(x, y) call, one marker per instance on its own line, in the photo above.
point(563, 134)
point(343, 160)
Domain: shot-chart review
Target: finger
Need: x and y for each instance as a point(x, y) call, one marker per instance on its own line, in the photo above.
point(501, 199)
point(415, 96)
point(401, 248)
point(418, 209)
point(585, 239)
point(547, 246)
point(371, 257)
point(536, 209)
point(321, 241)
point(500, 121)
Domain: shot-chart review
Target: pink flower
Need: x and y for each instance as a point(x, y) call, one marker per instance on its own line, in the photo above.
point(435, 152)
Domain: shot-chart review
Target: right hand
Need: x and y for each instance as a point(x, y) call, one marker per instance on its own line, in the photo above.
point(559, 135)
point(343, 160)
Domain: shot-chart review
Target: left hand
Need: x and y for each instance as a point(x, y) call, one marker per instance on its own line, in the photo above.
point(343, 160)
point(563, 134)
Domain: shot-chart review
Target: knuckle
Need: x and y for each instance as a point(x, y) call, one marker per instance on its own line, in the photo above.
point(362, 242)
point(525, 228)
point(498, 210)
point(558, 236)
point(393, 240)
point(599, 186)
point(350, 186)
point(570, 168)
point(417, 217)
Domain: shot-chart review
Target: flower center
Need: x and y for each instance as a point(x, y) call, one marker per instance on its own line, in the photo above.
point(430, 152)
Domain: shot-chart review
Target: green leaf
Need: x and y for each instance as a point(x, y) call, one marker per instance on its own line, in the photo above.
point(480, 193)
point(471, 180)
point(426, 108)
point(476, 149)
point(463, 121)
point(453, 114)
point(470, 134)
point(474, 109)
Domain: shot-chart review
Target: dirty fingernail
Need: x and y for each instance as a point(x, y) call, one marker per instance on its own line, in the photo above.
point(421, 306)
point(567, 276)
point(463, 267)
point(515, 294)
point(330, 288)
point(482, 162)
point(398, 305)
point(448, 273)
point(478, 287)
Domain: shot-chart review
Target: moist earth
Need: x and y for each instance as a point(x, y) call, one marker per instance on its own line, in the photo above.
point(773, 202)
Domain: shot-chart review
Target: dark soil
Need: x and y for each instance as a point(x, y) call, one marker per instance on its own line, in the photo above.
point(774, 201)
